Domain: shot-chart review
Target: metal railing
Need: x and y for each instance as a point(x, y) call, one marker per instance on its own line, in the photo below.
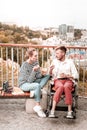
point(13, 55)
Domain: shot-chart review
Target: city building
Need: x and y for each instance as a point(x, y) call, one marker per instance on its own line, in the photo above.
point(66, 32)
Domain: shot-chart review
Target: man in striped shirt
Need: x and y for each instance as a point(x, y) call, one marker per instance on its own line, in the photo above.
point(31, 79)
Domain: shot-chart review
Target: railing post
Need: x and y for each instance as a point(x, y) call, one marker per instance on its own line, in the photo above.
point(12, 58)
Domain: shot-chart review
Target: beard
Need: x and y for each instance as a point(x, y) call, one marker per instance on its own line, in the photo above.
point(61, 58)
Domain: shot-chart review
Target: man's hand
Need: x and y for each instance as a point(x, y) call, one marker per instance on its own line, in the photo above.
point(62, 75)
point(51, 68)
point(69, 76)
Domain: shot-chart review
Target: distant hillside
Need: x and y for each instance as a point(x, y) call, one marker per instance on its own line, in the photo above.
point(15, 34)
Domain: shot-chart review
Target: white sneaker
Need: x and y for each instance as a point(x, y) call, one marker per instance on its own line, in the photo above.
point(51, 115)
point(32, 93)
point(70, 115)
point(39, 111)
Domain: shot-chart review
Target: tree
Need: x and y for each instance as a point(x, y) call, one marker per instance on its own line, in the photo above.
point(77, 34)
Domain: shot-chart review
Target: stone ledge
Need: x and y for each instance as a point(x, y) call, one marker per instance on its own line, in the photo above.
point(30, 103)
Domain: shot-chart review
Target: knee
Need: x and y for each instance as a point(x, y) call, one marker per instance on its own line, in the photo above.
point(67, 89)
point(47, 76)
point(37, 87)
point(61, 88)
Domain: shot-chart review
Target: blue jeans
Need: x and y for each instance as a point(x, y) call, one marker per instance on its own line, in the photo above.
point(37, 85)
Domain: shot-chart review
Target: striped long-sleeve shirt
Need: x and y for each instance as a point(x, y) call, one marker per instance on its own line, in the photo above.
point(27, 74)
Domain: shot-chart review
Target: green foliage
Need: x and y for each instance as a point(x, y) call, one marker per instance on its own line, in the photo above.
point(15, 34)
point(4, 39)
point(77, 34)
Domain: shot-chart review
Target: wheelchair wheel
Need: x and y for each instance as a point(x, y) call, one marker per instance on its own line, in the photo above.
point(75, 102)
point(74, 114)
point(49, 102)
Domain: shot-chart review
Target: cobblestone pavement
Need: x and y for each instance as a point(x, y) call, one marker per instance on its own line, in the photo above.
point(14, 117)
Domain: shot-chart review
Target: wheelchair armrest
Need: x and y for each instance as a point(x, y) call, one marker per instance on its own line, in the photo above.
point(76, 80)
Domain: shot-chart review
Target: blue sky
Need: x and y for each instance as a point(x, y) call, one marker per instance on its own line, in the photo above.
point(44, 13)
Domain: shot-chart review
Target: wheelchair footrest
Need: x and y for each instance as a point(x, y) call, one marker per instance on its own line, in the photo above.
point(61, 108)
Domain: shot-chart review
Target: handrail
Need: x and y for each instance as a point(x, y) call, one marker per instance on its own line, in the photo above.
point(40, 46)
point(16, 51)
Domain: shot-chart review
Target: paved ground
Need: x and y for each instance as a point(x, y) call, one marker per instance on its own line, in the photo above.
point(13, 116)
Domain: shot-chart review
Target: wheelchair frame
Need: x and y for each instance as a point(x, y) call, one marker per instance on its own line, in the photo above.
point(65, 107)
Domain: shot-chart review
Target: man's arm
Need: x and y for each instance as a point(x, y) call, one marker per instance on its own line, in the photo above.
point(74, 71)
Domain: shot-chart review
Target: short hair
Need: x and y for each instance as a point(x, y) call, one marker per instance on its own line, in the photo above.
point(63, 48)
point(29, 52)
